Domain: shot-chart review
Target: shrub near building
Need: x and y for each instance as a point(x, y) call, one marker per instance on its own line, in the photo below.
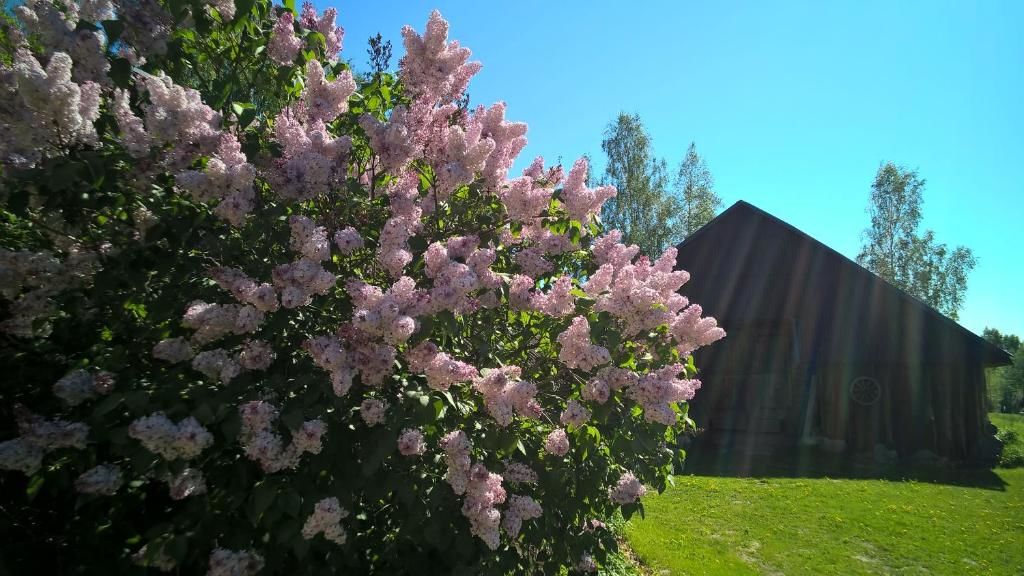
point(261, 316)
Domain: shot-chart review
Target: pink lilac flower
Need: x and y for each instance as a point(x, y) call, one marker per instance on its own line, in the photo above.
point(440, 369)
point(557, 442)
point(263, 297)
point(656, 391)
point(325, 25)
point(264, 446)
point(327, 99)
point(313, 160)
point(577, 350)
point(691, 331)
point(627, 490)
point(582, 202)
point(525, 198)
point(432, 65)
point(410, 442)
point(227, 178)
point(505, 394)
point(225, 562)
point(575, 414)
point(39, 437)
point(348, 240)
point(326, 519)
point(308, 239)
point(217, 363)
point(483, 493)
point(256, 355)
point(558, 301)
point(133, 133)
point(587, 565)
point(49, 109)
point(519, 508)
point(519, 473)
point(509, 139)
point(299, 281)
point(158, 434)
point(284, 45)
point(328, 353)
point(386, 315)
point(102, 480)
point(75, 387)
point(457, 447)
point(373, 411)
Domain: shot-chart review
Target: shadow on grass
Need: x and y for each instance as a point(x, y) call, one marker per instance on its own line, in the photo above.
point(813, 463)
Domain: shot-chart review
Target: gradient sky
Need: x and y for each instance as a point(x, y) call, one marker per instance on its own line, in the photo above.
point(794, 105)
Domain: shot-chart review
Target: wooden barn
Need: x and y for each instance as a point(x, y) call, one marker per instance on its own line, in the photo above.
point(820, 351)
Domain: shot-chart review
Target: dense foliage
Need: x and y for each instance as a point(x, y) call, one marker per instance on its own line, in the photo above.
point(261, 314)
point(1005, 383)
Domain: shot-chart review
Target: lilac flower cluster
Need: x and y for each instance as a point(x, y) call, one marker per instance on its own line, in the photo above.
point(483, 493)
point(44, 110)
point(266, 447)
point(519, 473)
point(557, 442)
point(78, 386)
point(627, 490)
point(519, 508)
point(372, 411)
point(228, 178)
point(440, 369)
point(577, 350)
point(386, 315)
point(325, 25)
point(30, 281)
point(326, 519)
point(458, 269)
point(224, 562)
point(575, 414)
point(212, 322)
point(411, 443)
point(39, 437)
point(284, 45)
point(505, 394)
point(158, 434)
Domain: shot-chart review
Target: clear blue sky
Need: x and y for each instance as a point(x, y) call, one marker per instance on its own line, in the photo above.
point(794, 105)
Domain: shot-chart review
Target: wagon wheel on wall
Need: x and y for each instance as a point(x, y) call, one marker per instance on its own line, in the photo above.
point(865, 391)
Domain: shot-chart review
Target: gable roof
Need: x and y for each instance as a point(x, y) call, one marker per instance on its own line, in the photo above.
point(745, 216)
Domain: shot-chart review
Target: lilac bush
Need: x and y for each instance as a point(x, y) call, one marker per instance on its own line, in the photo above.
point(260, 312)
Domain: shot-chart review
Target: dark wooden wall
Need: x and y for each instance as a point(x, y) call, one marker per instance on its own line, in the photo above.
point(801, 317)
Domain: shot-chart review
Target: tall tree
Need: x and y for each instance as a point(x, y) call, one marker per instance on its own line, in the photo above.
point(1008, 342)
point(913, 262)
point(695, 191)
point(643, 210)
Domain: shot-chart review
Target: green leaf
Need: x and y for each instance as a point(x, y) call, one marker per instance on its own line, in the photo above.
point(113, 30)
point(293, 419)
point(263, 496)
point(33, 487)
point(290, 502)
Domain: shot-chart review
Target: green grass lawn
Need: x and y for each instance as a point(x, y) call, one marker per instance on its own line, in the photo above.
point(723, 525)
